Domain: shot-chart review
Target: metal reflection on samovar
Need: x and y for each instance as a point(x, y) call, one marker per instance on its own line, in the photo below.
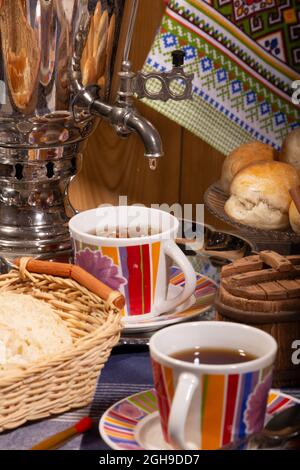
point(57, 61)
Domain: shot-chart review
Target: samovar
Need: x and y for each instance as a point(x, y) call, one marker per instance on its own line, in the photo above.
point(57, 62)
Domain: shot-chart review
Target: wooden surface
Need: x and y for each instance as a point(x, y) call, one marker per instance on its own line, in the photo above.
point(113, 167)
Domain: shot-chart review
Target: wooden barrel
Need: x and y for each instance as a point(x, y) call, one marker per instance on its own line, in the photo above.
point(263, 291)
point(284, 328)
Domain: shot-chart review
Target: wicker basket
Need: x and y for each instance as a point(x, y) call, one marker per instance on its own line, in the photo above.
point(68, 380)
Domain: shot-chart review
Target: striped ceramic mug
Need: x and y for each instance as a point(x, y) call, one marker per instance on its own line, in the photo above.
point(136, 265)
point(207, 406)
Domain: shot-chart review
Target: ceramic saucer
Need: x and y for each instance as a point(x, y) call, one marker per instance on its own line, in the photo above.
point(199, 303)
point(133, 423)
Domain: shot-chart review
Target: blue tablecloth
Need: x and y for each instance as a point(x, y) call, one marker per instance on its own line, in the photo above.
point(128, 371)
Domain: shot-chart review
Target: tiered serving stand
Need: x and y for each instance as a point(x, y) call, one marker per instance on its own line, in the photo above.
point(283, 241)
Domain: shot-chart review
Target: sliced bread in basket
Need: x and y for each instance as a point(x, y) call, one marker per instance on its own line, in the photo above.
point(66, 379)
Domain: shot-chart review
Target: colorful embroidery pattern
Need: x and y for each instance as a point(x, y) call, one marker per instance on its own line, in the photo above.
point(245, 55)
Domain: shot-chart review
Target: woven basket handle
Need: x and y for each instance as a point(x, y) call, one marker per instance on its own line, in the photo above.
point(74, 272)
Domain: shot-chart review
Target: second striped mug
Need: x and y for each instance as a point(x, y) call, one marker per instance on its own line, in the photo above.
point(205, 406)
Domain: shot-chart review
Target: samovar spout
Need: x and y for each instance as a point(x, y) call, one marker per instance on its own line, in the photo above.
point(127, 120)
point(148, 133)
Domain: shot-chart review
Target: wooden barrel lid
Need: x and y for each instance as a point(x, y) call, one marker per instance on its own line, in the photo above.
point(262, 284)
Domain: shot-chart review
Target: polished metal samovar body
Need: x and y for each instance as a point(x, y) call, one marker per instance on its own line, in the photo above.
point(41, 134)
point(56, 67)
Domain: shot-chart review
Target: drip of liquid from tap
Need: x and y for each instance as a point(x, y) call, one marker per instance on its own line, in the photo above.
point(153, 164)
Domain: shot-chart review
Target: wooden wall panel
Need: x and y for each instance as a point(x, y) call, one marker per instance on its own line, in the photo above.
point(201, 166)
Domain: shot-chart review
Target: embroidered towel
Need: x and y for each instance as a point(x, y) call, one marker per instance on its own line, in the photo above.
point(245, 55)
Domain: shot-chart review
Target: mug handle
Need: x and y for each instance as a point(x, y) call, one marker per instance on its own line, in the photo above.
point(186, 386)
point(174, 252)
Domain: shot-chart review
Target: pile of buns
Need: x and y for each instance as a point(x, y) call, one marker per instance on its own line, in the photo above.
point(258, 181)
point(29, 331)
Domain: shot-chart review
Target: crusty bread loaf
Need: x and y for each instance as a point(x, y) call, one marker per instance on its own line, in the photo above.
point(294, 218)
point(29, 330)
point(260, 195)
point(290, 152)
point(242, 157)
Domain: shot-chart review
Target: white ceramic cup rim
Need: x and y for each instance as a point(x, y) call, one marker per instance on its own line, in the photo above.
point(226, 369)
point(77, 221)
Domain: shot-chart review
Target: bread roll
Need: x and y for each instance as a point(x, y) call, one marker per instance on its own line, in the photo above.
point(260, 195)
point(290, 152)
point(242, 157)
point(294, 218)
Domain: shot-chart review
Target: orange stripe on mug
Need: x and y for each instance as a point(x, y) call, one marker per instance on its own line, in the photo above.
point(168, 375)
point(272, 397)
point(213, 412)
point(155, 261)
point(111, 252)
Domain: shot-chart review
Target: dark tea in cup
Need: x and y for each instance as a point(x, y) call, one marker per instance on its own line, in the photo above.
point(124, 232)
point(217, 356)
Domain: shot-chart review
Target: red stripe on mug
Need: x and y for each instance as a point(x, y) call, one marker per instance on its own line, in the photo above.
point(147, 278)
point(232, 388)
point(277, 406)
point(135, 280)
point(162, 396)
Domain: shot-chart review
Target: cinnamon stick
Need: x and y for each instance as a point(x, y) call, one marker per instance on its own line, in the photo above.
point(77, 274)
point(47, 267)
point(96, 286)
